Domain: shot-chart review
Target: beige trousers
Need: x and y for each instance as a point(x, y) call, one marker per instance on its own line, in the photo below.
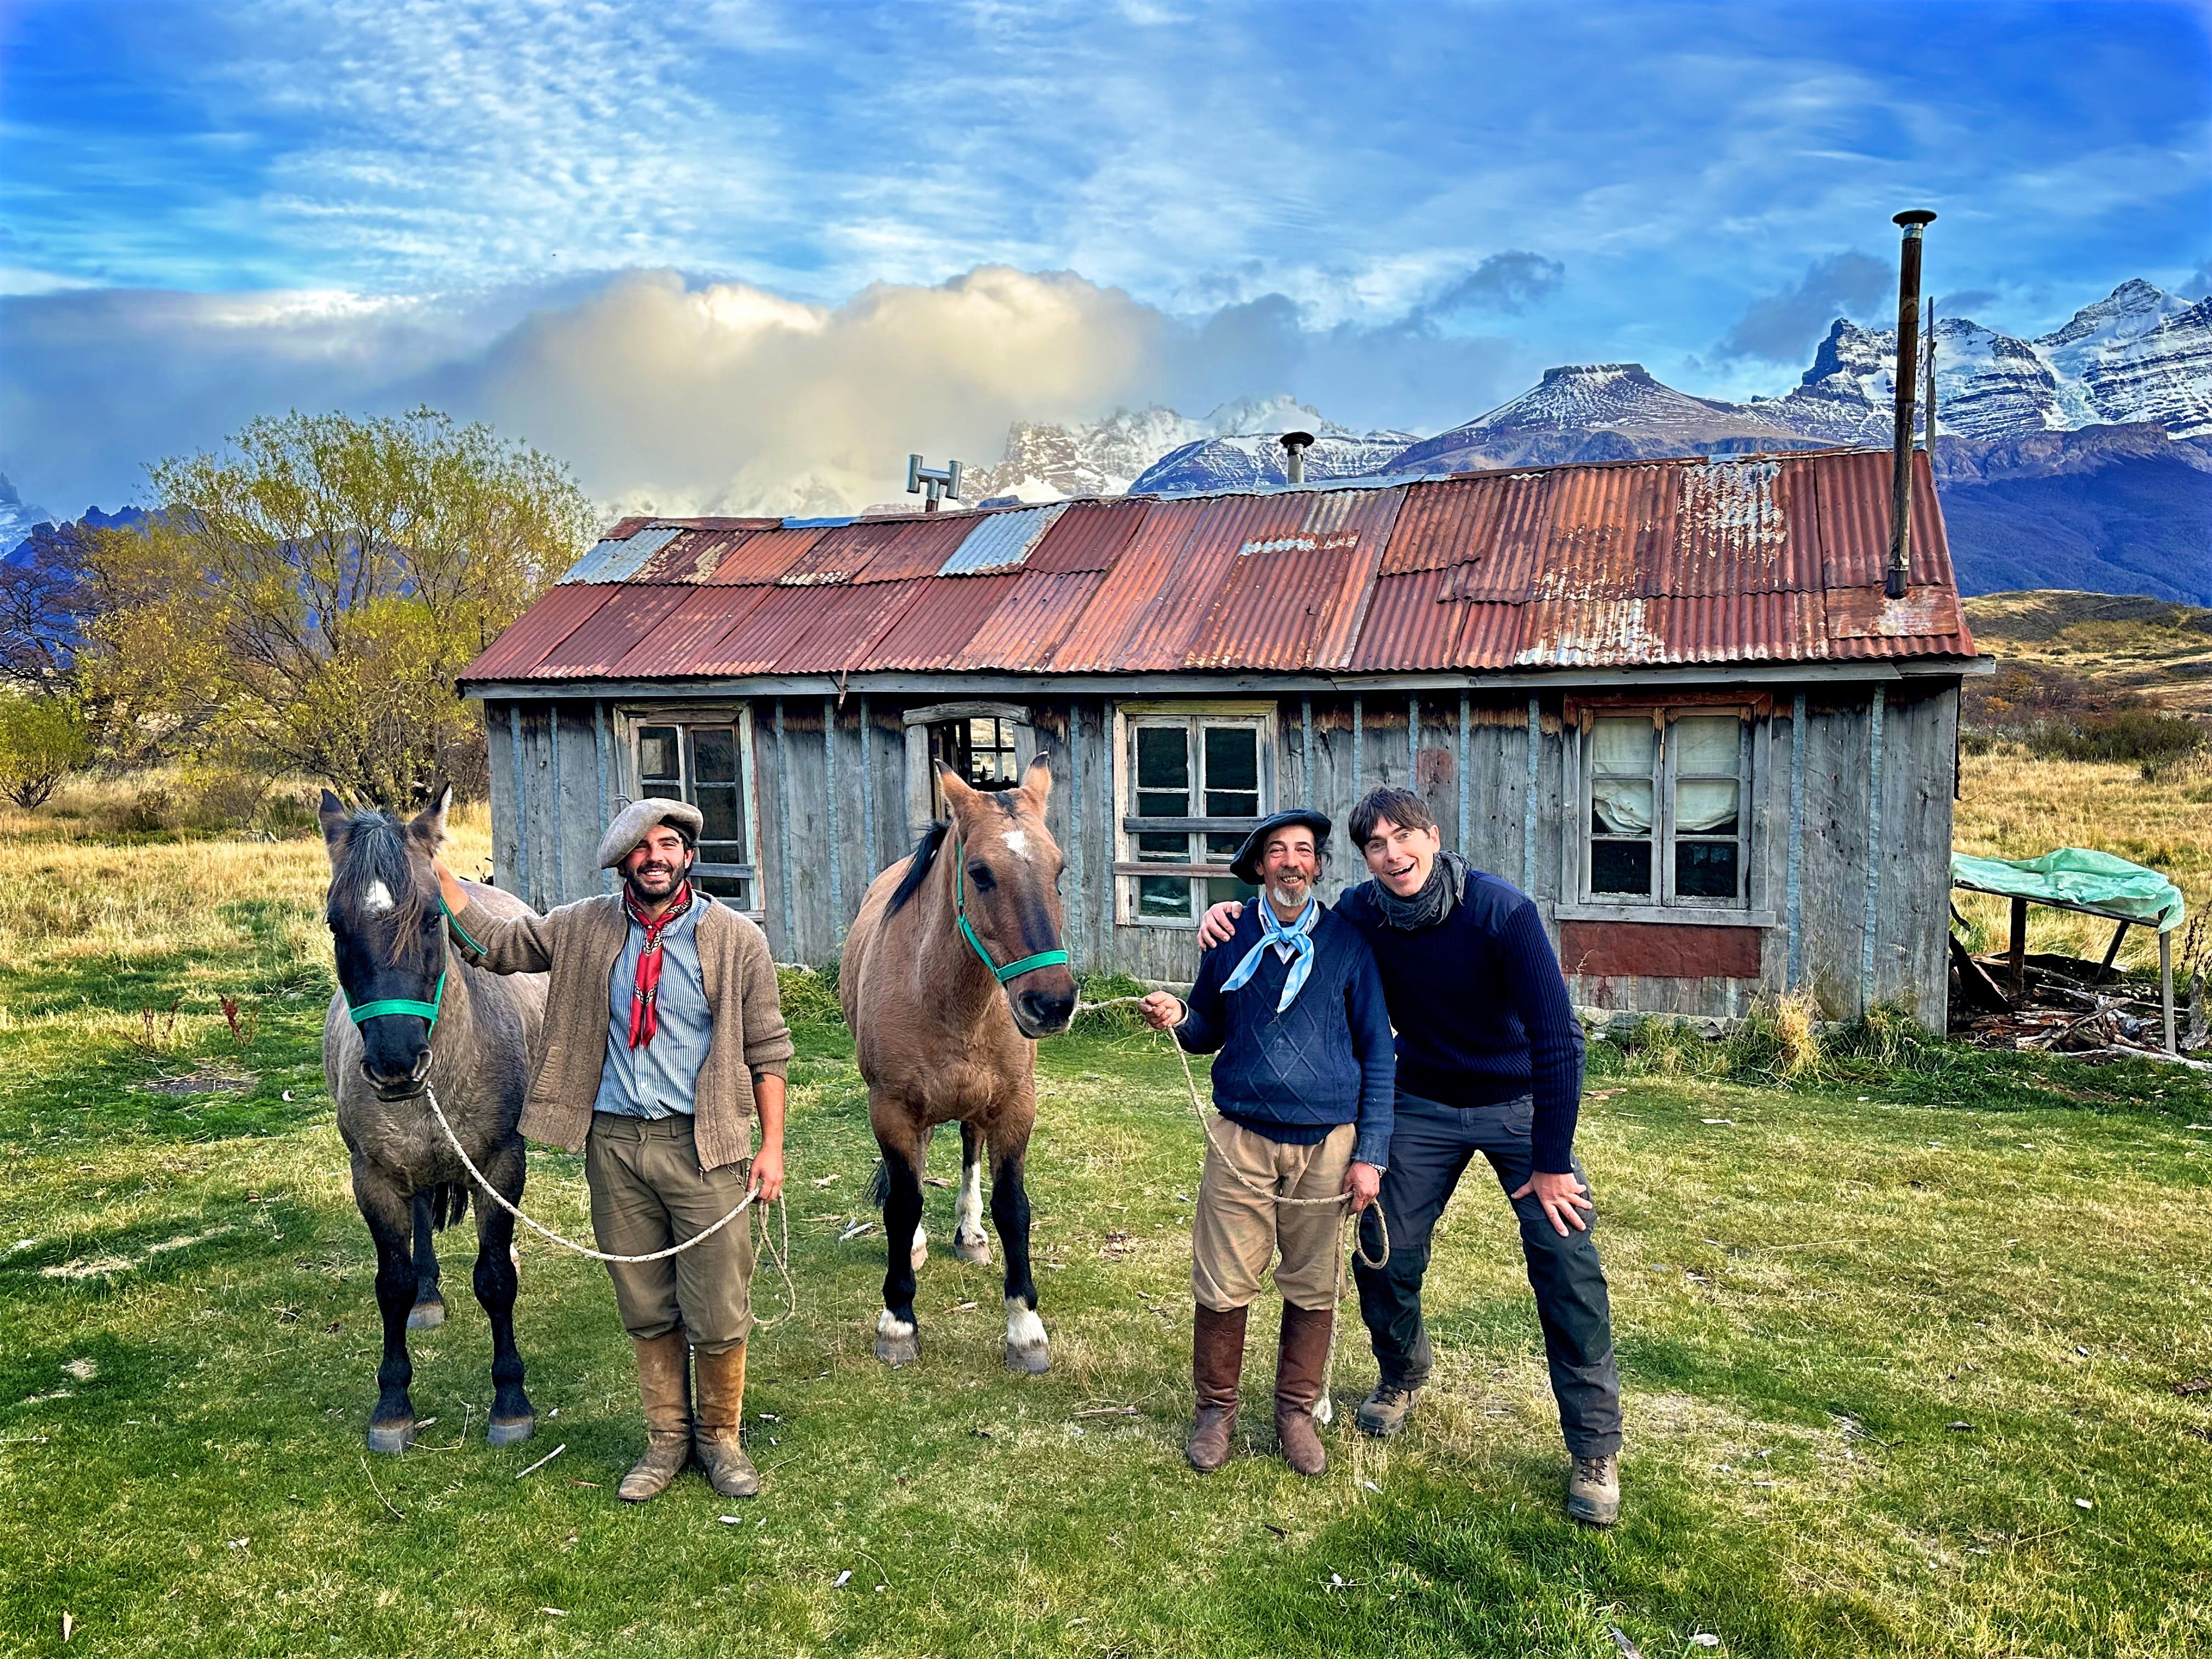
point(1237, 1231)
point(648, 1193)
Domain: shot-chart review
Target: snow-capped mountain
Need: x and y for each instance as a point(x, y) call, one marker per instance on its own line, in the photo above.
point(16, 518)
point(1045, 462)
point(1252, 459)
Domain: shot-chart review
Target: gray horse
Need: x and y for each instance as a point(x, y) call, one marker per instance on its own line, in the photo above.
point(398, 986)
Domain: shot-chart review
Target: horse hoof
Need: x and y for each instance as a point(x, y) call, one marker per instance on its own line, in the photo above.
point(511, 1432)
point(898, 1342)
point(391, 1438)
point(1029, 1362)
point(975, 1252)
point(426, 1316)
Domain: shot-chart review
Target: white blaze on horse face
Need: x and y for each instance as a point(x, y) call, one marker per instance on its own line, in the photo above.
point(1017, 842)
point(377, 900)
point(1024, 1329)
point(968, 1217)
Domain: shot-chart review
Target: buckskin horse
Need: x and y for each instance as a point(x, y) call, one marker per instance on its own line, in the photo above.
point(952, 968)
point(399, 985)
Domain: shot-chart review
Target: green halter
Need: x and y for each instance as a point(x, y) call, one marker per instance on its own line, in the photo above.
point(1012, 970)
point(407, 1005)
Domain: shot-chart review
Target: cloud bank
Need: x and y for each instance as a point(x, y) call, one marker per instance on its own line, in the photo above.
point(1783, 326)
point(667, 395)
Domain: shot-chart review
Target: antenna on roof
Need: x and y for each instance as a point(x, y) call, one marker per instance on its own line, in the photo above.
point(943, 481)
point(1295, 445)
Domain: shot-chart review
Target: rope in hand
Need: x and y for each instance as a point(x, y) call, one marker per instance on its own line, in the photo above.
point(781, 1261)
point(1348, 1242)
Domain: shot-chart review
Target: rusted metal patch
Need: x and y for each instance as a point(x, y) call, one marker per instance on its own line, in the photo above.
point(1659, 950)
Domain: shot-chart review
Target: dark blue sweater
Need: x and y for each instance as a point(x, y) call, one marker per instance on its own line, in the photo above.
point(1481, 1010)
point(1324, 1061)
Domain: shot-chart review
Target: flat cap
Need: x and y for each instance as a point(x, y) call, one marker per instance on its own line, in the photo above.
point(1245, 867)
point(626, 832)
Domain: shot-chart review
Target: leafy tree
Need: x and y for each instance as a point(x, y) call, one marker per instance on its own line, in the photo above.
point(306, 597)
point(42, 740)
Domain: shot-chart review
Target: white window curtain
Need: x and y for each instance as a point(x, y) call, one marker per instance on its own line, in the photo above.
point(1622, 804)
point(1705, 744)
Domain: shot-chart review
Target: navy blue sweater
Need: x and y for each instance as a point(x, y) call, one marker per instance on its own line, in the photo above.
point(1324, 1061)
point(1481, 1010)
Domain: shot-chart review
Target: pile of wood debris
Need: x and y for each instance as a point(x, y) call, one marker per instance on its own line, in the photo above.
point(2067, 1005)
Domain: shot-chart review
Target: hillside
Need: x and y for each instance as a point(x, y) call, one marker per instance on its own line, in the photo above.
point(2082, 649)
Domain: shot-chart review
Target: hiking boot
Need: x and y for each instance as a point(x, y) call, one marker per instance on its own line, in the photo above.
point(1593, 1490)
point(1217, 1360)
point(720, 1414)
point(1301, 1367)
point(1383, 1412)
point(663, 1385)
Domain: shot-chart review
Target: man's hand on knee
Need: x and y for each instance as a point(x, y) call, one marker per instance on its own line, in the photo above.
point(1561, 1195)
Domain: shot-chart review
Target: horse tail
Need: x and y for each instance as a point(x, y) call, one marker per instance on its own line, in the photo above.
point(449, 1202)
point(879, 1185)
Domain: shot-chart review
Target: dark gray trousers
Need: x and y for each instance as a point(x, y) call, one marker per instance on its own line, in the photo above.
point(1429, 1149)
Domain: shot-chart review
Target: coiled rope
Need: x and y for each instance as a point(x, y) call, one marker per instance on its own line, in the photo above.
point(781, 1262)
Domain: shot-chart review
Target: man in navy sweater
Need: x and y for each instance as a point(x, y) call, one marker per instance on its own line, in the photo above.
point(1302, 1125)
point(1490, 1056)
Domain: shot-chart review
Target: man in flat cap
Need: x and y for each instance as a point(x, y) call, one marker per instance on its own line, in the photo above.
point(1302, 1094)
point(664, 1038)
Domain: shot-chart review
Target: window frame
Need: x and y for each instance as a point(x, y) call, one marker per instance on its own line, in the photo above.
point(1196, 717)
point(1752, 907)
point(738, 718)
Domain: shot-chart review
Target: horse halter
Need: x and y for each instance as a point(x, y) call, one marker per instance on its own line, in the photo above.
point(428, 1011)
point(1012, 970)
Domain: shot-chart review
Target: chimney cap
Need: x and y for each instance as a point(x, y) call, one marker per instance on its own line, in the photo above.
point(1296, 440)
point(1913, 218)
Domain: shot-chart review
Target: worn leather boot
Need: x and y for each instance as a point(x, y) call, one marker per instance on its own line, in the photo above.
point(721, 1413)
point(1593, 1490)
point(663, 1377)
point(1384, 1411)
point(1217, 1360)
point(1301, 1367)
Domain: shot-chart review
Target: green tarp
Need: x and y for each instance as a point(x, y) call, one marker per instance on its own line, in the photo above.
point(2076, 875)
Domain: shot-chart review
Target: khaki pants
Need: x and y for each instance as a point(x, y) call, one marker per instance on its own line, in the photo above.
point(1237, 1231)
point(648, 1193)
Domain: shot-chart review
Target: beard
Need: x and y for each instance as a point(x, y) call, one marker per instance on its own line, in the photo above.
point(1291, 893)
point(651, 882)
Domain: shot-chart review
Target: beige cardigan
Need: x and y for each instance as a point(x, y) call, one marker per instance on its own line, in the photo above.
point(578, 945)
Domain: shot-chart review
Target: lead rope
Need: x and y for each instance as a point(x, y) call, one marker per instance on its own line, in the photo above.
point(781, 1262)
point(1347, 1242)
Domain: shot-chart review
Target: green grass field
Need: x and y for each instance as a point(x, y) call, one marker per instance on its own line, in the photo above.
point(1900, 1354)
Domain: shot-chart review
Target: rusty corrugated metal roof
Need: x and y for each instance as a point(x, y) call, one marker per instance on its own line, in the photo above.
point(1774, 558)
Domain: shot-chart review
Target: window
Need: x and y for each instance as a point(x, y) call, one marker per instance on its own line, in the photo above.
point(1665, 808)
point(705, 764)
point(980, 749)
point(1194, 786)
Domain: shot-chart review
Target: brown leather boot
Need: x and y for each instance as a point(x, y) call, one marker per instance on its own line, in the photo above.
point(663, 1383)
point(1217, 1360)
point(714, 1428)
point(1301, 1367)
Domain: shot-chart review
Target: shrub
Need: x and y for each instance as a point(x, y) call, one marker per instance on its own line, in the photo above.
point(1887, 1035)
point(806, 997)
point(1094, 1021)
point(42, 740)
point(1778, 1042)
point(1659, 1046)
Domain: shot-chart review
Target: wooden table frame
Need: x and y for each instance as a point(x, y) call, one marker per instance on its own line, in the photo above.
point(2016, 952)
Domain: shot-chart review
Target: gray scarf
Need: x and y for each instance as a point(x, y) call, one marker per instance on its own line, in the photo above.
point(1447, 880)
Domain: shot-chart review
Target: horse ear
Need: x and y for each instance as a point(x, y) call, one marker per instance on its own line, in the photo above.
point(957, 794)
point(429, 825)
point(332, 814)
point(1036, 783)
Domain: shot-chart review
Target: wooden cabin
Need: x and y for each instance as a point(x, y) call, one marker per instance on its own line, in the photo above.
point(1669, 698)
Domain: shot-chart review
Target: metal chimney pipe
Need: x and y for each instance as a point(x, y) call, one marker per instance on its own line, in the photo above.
point(1907, 378)
point(1294, 454)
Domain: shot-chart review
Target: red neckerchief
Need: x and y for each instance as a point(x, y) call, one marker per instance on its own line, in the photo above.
point(645, 995)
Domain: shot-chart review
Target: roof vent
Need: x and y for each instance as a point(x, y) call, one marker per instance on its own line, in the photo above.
point(939, 481)
point(1908, 365)
point(1295, 445)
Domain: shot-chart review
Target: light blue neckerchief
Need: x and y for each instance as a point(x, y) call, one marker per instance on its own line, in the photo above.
point(1298, 936)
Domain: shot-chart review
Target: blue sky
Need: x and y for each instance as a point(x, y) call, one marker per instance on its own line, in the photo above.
point(1401, 213)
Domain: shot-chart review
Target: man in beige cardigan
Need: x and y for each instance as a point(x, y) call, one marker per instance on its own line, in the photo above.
point(662, 1023)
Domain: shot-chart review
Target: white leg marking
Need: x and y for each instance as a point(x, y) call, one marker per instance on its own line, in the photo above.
point(968, 1221)
point(1023, 1329)
point(889, 1324)
point(921, 1251)
point(377, 900)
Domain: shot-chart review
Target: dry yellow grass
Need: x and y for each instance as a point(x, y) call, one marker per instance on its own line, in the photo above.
point(2012, 805)
point(2117, 643)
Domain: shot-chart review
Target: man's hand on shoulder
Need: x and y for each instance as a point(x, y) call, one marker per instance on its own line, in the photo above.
point(1219, 923)
point(1561, 1195)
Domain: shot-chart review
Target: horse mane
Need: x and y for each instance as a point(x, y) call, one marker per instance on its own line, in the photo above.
point(917, 869)
point(376, 853)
